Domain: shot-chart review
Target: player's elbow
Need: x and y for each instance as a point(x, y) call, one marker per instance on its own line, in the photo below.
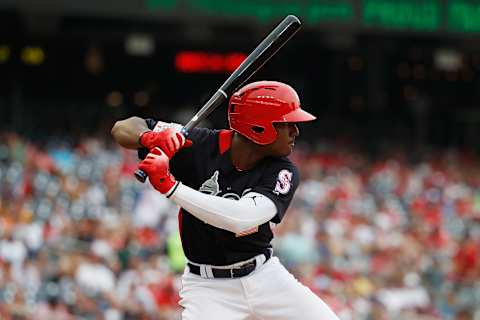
point(126, 132)
point(240, 227)
point(237, 230)
point(125, 124)
point(246, 221)
point(115, 129)
point(118, 130)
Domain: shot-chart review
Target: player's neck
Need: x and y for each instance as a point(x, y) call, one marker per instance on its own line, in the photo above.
point(245, 154)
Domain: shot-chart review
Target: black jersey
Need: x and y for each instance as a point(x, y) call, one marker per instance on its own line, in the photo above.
point(206, 166)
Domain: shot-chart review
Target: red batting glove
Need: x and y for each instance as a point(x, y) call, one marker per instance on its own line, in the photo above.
point(156, 166)
point(169, 140)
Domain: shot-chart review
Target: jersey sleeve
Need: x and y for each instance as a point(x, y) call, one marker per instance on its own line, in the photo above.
point(279, 183)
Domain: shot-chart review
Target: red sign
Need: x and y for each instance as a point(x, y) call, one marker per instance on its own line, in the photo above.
point(208, 62)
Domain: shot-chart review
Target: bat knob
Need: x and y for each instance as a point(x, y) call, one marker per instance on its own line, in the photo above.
point(140, 175)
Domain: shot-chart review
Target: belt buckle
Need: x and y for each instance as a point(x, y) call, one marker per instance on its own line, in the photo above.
point(242, 267)
point(232, 271)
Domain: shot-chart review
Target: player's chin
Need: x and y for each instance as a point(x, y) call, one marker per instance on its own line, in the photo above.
point(286, 151)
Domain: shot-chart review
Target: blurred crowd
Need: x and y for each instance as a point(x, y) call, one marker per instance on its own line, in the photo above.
point(377, 237)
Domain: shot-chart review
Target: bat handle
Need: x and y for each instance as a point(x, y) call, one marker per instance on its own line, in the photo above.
point(185, 131)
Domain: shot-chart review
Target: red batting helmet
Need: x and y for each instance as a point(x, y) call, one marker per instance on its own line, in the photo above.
point(254, 108)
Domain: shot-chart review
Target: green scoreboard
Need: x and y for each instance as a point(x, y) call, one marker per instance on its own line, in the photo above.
point(461, 16)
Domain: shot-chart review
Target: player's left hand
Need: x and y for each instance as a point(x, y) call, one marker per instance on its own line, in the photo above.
point(156, 166)
point(169, 140)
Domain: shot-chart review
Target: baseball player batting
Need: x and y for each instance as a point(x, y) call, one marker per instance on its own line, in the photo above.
point(230, 186)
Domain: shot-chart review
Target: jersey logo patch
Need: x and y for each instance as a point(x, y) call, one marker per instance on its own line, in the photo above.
point(211, 186)
point(284, 182)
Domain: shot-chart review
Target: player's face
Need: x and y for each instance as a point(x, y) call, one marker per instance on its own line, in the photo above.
point(286, 134)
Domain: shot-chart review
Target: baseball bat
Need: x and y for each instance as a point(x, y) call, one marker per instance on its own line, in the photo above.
point(255, 60)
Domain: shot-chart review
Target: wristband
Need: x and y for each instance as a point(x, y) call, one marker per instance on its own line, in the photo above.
point(140, 138)
point(172, 191)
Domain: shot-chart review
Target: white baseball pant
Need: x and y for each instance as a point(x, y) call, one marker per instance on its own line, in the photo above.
point(268, 293)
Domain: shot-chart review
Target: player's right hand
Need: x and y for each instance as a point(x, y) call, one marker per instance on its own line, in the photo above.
point(156, 166)
point(169, 140)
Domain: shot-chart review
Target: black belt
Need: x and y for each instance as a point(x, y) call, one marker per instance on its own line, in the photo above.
point(235, 272)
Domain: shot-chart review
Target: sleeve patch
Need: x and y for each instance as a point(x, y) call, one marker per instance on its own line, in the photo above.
point(284, 182)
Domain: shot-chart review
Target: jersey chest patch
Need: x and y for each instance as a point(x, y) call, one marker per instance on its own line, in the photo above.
point(212, 187)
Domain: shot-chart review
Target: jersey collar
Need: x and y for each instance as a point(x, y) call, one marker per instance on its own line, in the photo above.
point(224, 145)
point(225, 140)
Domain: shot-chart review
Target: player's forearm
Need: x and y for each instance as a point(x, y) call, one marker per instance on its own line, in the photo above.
point(232, 215)
point(127, 132)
